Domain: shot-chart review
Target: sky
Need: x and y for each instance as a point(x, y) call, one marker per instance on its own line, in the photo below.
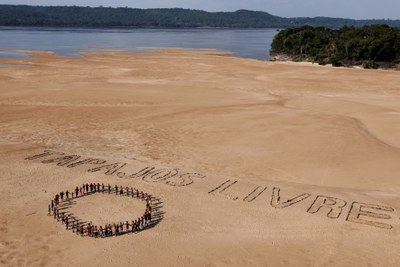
point(356, 9)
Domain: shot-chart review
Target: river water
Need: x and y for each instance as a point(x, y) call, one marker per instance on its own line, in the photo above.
point(248, 43)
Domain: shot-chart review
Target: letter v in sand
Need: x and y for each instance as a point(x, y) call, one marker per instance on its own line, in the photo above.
point(276, 199)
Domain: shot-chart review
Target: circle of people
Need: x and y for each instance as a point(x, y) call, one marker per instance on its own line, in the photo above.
point(83, 229)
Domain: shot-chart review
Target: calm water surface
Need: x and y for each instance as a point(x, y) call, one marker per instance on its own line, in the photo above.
point(249, 43)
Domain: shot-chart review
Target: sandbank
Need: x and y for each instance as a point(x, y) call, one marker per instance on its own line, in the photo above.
point(256, 163)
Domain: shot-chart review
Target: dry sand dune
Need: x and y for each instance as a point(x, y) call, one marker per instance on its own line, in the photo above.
point(255, 163)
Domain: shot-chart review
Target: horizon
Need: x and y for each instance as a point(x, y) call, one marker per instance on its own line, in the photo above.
point(286, 9)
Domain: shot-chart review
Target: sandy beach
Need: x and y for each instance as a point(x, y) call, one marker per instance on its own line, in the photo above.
point(253, 163)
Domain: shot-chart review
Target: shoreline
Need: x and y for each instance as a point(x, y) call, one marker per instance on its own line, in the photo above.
point(104, 50)
point(287, 58)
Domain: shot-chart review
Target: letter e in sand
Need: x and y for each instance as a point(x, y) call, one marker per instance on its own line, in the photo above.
point(359, 211)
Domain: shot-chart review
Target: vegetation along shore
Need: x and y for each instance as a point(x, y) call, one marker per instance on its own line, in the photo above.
point(373, 46)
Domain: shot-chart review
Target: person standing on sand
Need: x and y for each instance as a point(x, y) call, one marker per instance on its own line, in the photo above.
point(62, 196)
point(95, 232)
point(49, 211)
point(66, 222)
point(116, 189)
point(109, 188)
point(76, 191)
point(101, 231)
point(121, 192)
point(102, 187)
point(56, 198)
point(67, 194)
point(52, 204)
point(148, 209)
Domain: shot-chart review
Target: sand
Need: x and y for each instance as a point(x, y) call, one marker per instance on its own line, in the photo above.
point(255, 163)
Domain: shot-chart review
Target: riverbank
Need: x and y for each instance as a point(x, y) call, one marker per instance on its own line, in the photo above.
point(288, 58)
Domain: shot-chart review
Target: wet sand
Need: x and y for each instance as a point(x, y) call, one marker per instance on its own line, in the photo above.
point(255, 163)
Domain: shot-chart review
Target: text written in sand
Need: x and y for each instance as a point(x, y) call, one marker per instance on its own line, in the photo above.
point(334, 208)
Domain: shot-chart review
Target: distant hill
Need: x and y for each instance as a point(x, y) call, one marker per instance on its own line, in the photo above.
point(73, 16)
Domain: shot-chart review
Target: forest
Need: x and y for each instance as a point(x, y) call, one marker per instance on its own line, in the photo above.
point(74, 16)
point(372, 46)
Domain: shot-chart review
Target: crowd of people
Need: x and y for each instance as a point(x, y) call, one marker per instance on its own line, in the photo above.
point(57, 205)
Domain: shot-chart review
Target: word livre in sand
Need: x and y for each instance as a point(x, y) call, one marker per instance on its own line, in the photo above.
point(362, 213)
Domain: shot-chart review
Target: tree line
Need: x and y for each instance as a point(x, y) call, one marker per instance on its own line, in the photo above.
point(370, 46)
point(74, 16)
